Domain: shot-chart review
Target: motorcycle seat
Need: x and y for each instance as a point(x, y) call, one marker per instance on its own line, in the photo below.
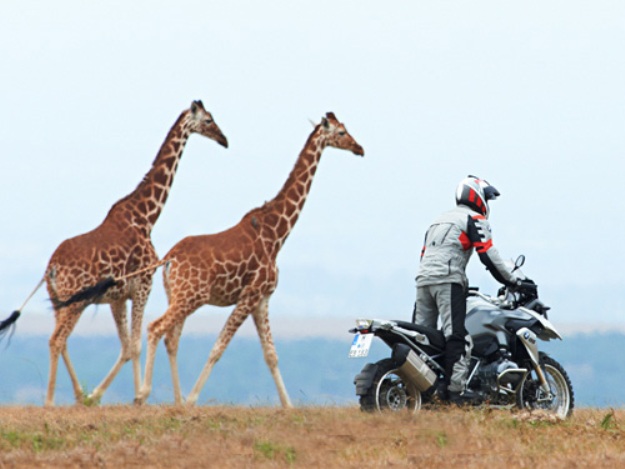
point(437, 339)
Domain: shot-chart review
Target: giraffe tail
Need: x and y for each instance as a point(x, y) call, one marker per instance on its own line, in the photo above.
point(9, 323)
point(89, 294)
point(95, 292)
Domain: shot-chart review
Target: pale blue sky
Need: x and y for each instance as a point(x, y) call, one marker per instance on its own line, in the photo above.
point(528, 95)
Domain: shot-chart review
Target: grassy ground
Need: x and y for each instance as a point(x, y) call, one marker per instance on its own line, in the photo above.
point(167, 436)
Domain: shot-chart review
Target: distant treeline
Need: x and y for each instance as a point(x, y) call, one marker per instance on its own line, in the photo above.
point(316, 371)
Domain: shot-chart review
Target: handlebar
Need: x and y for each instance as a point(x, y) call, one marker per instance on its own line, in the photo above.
point(525, 293)
point(527, 285)
point(495, 300)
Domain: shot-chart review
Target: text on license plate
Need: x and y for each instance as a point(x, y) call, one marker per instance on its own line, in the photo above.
point(360, 345)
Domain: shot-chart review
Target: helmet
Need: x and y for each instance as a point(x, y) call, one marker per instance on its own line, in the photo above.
point(475, 193)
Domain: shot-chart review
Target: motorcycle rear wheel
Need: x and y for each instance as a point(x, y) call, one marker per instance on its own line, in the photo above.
point(390, 392)
point(531, 395)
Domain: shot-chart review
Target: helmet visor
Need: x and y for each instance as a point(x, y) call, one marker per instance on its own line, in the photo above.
point(490, 193)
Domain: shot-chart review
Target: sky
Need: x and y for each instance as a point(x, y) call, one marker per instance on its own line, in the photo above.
point(528, 95)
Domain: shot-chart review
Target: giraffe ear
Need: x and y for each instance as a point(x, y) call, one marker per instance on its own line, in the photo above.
point(325, 123)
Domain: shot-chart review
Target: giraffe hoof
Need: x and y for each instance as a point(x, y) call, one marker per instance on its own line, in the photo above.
point(90, 401)
point(139, 401)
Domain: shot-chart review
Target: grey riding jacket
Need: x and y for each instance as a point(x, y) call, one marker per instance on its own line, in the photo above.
point(449, 243)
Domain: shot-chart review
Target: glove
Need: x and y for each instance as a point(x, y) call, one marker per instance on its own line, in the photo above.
point(527, 285)
point(527, 280)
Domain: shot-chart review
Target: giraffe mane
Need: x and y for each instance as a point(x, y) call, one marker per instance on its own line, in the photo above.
point(145, 179)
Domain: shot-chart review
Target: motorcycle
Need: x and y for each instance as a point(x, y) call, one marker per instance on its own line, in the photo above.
point(506, 368)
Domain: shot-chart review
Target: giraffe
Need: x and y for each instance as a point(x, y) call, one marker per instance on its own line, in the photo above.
point(238, 267)
point(121, 244)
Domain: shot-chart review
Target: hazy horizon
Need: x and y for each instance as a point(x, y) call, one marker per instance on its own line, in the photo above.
point(528, 95)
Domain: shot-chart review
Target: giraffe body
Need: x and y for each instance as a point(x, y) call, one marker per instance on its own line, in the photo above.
point(238, 267)
point(120, 245)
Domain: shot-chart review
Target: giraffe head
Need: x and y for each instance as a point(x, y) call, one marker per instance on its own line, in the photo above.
point(336, 135)
point(202, 122)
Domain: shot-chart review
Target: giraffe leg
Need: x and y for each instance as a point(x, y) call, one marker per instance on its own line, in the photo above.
point(119, 315)
point(138, 307)
point(66, 319)
point(245, 306)
point(156, 329)
point(172, 340)
point(78, 393)
point(154, 335)
point(261, 320)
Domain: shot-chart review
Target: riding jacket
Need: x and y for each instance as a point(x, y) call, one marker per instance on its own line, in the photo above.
point(449, 243)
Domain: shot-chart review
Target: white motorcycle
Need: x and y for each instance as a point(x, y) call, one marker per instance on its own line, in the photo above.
point(506, 367)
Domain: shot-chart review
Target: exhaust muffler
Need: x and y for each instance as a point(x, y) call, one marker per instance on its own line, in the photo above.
point(413, 368)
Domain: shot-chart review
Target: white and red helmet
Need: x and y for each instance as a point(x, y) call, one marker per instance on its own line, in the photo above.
point(475, 193)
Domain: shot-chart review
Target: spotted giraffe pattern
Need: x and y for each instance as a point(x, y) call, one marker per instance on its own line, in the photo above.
point(120, 245)
point(238, 267)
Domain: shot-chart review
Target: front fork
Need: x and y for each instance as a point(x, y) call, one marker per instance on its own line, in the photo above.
point(528, 338)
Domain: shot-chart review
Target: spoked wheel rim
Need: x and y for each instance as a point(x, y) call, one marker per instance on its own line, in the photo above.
point(394, 394)
point(560, 401)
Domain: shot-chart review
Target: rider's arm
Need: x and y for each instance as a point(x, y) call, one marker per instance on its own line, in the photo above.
point(479, 233)
point(424, 244)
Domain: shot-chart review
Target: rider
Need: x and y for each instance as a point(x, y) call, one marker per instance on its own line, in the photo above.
point(442, 281)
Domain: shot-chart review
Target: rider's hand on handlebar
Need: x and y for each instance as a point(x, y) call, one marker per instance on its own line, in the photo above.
point(524, 282)
point(527, 283)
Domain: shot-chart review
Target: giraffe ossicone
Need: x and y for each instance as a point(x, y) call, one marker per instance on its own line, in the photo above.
point(238, 267)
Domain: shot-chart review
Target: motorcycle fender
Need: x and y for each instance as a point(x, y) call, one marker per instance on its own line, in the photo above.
point(364, 379)
point(528, 338)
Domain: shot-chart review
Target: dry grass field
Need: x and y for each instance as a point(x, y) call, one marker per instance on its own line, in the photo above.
point(167, 436)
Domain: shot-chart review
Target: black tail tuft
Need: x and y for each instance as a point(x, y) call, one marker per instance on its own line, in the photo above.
point(9, 324)
point(89, 294)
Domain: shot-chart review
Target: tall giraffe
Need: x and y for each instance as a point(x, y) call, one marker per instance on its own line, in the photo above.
point(120, 245)
point(238, 266)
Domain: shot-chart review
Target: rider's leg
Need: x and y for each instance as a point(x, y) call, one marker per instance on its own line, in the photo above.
point(426, 310)
point(451, 301)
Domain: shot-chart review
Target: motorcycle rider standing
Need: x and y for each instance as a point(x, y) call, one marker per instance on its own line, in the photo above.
point(442, 282)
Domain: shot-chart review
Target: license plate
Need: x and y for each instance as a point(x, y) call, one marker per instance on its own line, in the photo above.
point(360, 346)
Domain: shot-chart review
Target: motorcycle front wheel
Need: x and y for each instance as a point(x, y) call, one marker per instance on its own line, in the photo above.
point(389, 391)
point(561, 399)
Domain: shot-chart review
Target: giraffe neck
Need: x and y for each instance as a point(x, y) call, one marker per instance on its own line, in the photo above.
point(142, 207)
point(281, 213)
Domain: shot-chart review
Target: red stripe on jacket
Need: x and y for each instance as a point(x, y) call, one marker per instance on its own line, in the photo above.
point(464, 241)
point(481, 248)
